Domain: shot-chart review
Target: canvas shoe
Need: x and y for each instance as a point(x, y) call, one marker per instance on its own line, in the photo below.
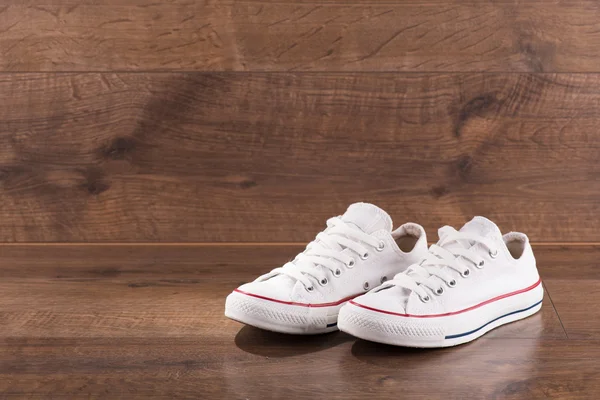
point(356, 252)
point(472, 281)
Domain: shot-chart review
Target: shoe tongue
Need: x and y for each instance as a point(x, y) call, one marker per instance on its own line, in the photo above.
point(368, 217)
point(483, 227)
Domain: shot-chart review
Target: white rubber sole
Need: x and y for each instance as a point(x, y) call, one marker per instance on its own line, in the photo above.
point(283, 317)
point(443, 331)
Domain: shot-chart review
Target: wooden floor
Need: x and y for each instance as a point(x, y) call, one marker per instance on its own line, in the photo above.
point(132, 321)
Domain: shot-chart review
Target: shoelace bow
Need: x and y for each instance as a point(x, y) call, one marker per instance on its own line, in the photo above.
point(325, 253)
point(418, 276)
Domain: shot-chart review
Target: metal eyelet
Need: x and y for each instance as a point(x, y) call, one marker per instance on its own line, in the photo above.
point(366, 285)
point(365, 256)
point(425, 299)
point(494, 254)
point(384, 279)
point(452, 283)
point(465, 273)
point(350, 263)
point(381, 246)
point(310, 288)
point(337, 272)
point(481, 264)
point(440, 291)
point(324, 281)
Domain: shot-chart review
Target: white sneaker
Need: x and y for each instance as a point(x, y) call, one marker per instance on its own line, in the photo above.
point(357, 252)
point(472, 281)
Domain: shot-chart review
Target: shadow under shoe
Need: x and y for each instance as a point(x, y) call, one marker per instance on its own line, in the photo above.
point(272, 344)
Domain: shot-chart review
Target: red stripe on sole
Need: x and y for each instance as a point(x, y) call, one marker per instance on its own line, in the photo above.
point(291, 303)
point(454, 312)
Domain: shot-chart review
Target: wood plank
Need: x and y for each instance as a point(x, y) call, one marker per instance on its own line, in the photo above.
point(319, 35)
point(569, 262)
point(145, 291)
point(122, 322)
point(574, 292)
point(133, 264)
point(269, 157)
point(572, 280)
point(135, 35)
point(330, 366)
point(575, 301)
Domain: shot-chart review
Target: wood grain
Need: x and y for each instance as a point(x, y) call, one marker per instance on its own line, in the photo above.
point(318, 35)
point(326, 367)
point(203, 157)
point(134, 35)
point(560, 262)
point(120, 291)
point(577, 302)
point(146, 322)
point(574, 285)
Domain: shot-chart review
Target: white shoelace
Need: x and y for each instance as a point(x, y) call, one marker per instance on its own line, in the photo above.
point(418, 276)
point(325, 253)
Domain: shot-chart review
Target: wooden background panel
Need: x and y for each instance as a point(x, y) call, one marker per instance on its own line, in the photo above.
point(148, 35)
point(417, 36)
point(268, 157)
point(327, 35)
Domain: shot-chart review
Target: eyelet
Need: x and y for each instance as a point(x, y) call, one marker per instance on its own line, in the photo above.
point(365, 256)
point(324, 281)
point(440, 291)
point(350, 263)
point(452, 283)
point(381, 246)
point(384, 279)
point(425, 299)
point(465, 273)
point(337, 272)
point(366, 285)
point(310, 288)
point(494, 254)
point(481, 264)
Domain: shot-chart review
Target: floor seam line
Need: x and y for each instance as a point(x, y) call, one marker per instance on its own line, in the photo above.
point(556, 311)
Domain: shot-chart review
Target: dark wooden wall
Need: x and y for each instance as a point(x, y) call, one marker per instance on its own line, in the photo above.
point(254, 121)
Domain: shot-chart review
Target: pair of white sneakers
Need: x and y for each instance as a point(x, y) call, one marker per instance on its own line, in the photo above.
point(363, 278)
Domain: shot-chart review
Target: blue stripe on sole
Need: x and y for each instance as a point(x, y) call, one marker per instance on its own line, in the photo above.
point(331, 325)
point(494, 320)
